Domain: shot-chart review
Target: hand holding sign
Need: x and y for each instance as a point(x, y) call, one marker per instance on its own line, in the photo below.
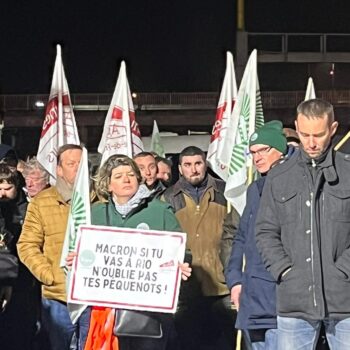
point(128, 268)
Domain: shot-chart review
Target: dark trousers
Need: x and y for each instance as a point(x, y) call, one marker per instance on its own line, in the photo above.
point(206, 323)
point(58, 327)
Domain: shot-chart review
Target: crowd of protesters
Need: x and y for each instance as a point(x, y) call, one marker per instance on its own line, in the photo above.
point(279, 273)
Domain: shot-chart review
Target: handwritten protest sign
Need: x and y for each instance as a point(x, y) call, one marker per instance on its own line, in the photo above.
point(127, 268)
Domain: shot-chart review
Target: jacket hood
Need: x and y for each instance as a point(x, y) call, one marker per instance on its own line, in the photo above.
point(7, 151)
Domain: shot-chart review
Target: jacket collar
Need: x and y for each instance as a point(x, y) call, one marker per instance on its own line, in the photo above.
point(179, 185)
point(326, 164)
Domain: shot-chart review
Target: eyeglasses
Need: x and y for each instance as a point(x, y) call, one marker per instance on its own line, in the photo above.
point(35, 180)
point(261, 151)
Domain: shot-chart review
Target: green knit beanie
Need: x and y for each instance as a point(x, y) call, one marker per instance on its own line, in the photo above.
point(270, 134)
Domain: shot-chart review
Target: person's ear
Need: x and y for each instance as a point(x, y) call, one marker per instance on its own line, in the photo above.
point(59, 171)
point(180, 169)
point(296, 126)
point(334, 127)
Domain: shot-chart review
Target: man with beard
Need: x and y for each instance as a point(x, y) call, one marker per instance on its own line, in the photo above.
point(204, 316)
point(164, 170)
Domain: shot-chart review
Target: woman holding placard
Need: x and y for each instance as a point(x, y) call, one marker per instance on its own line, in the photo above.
point(125, 202)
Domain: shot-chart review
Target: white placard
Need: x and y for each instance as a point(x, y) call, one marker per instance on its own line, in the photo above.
point(127, 268)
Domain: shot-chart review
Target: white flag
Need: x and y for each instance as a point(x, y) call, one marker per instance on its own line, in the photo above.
point(310, 90)
point(79, 214)
point(59, 126)
point(121, 134)
point(247, 115)
point(227, 99)
point(156, 142)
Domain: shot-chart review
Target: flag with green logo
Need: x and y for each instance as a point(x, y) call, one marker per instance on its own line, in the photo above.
point(79, 214)
point(247, 115)
point(310, 90)
point(156, 142)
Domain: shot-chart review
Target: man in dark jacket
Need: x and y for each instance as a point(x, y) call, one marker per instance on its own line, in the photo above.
point(19, 297)
point(204, 318)
point(303, 234)
point(148, 168)
point(253, 290)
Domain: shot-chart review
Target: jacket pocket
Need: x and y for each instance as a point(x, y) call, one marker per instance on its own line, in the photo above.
point(337, 204)
point(294, 293)
point(288, 206)
point(337, 291)
point(339, 273)
point(262, 299)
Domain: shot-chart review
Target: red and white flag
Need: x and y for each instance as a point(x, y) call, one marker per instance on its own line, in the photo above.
point(121, 134)
point(59, 126)
point(227, 99)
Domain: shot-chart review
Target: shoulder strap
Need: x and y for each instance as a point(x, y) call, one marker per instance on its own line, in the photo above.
point(107, 215)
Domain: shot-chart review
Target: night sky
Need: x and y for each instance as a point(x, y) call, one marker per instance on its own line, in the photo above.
point(167, 45)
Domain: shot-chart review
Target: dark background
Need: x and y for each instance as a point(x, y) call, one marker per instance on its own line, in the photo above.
point(167, 45)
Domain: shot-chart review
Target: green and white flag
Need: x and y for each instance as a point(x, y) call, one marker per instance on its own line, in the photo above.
point(247, 115)
point(79, 214)
point(156, 142)
point(310, 90)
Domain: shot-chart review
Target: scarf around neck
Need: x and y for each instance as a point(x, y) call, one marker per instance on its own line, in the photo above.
point(133, 202)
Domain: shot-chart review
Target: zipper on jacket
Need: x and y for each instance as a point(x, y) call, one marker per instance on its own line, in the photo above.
point(312, 247)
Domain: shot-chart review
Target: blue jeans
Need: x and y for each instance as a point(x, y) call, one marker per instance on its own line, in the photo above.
point(294, 333)
point(59, 327)
point(270, 342)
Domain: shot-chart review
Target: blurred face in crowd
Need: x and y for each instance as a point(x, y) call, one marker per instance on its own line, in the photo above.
point(315, 133)
point(7, 191)
point(69, 163)
point(123, 183)
point(35, 182)
point(264, 157)
point(148, 168)
point(164, 172)
point(193, 169)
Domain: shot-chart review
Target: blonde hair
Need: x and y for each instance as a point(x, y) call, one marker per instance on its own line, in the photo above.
point(102, 179)
point(33, 164)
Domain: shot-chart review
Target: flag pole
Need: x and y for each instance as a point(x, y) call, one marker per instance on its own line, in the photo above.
point(342, 141)
point(59, 97)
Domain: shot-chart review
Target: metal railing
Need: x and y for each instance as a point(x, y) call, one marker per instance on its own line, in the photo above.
point(299, 42)
point(202, 100)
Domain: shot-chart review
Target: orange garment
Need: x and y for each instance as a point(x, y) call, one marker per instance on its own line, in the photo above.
point(100, 336)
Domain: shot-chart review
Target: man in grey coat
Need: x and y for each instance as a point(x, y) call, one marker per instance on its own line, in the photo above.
point(303, 234)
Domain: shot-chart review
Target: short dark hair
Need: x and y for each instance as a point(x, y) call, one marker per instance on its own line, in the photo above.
point(65, 148)
point(8, 175)
point(143, 154)
point(191, 151)
point(166, 161)
point(316, 108)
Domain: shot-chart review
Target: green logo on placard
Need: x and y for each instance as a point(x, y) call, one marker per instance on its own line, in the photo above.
point(87, 258)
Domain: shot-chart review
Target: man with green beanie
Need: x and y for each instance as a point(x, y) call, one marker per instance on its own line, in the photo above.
point(253, 291)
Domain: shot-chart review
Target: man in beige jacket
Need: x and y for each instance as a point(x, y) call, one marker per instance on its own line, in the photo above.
point(40, 246)
point(204, 317)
